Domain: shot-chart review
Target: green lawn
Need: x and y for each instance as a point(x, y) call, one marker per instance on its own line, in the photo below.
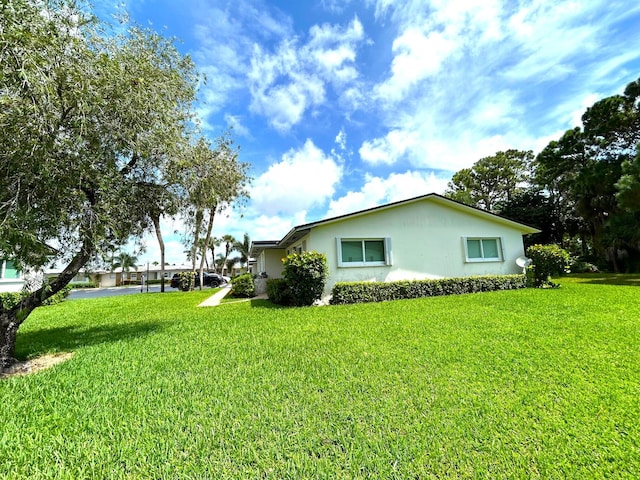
point(517, 384)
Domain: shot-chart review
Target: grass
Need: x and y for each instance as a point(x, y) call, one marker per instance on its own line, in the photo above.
point(519, 384)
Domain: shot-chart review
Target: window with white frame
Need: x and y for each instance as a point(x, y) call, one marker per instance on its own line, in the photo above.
point(483, 249)
point(363, 252)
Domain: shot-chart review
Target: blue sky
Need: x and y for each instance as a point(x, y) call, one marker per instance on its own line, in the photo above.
point(342, 105)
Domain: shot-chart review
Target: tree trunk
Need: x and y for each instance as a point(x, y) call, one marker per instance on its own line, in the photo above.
point(12, 317)
point(8, 332)
point(156, 225)
point(206, 242)
point(196, 238)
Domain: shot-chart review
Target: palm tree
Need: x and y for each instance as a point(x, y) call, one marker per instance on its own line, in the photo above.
point(229, 242)
point(230, 264)
point(219, 262)
point(124, 261)
point(243, 248)
point(213, 243)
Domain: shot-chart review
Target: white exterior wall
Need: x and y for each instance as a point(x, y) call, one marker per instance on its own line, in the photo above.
point(107, 279)
point(270, 261)
point(11, 284)
point(427, 241)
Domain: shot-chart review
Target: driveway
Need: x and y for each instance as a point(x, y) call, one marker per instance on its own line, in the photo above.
point(80, 293)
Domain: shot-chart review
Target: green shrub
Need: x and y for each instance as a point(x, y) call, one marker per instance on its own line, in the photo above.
point(58, 297)
point(186, 281)
point(242, 286)
point(546, 260)
point(362, 292)
point(305, 274)
point(580, 266)
point(278, 292)
point(11, 299)
point(83, 285)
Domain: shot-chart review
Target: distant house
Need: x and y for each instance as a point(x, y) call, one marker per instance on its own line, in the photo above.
point(424, 237)
point(11, 278)
point(116, 277)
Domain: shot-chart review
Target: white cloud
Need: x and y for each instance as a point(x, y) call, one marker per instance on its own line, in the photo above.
point(341, 139)
point(468, 79)
point(293, 79)
point(225, 35)
point(268, 227)
point(303, 179)
point(388, 149)
point(378, 191)
point(235, 121)
point(418, 55)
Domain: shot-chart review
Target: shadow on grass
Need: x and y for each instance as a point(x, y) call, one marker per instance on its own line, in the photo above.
point(67, 339)
point(606, 279)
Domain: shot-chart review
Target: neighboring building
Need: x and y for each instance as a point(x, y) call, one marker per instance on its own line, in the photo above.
point(424, 237)
point(11, 279)
point(108, 278)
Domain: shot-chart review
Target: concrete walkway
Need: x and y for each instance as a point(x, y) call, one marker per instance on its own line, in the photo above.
point(215, 299)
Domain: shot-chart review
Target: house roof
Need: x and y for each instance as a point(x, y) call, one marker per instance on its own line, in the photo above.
point(296, 233)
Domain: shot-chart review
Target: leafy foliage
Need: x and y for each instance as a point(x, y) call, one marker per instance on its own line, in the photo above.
point(186, 281)
point(278, 291)
point(88, 118)
point(305, 274)
point(242, 286)
point(362, 292)
point(83, 285)
point(211, 178)
point(590, 174)
point(10, 300)
point(491, 179)
point(547, 261)
point(243, 249)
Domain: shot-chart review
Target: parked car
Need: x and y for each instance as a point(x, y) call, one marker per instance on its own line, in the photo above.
point(210, 280)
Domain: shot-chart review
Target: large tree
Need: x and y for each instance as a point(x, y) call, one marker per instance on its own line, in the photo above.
point(491, 180)
point(87, 117)
point(213, 179)
point(588, 173)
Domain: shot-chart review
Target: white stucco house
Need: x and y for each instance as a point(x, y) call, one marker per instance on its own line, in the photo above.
point(420, 238)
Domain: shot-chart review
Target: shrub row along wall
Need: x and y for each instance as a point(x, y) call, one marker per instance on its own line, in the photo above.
point(361, 292)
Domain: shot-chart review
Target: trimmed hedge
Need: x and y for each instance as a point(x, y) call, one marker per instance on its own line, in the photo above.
point(83, 285)
point(362, 292)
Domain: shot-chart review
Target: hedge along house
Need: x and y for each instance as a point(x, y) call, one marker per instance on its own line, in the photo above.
point(420, 238)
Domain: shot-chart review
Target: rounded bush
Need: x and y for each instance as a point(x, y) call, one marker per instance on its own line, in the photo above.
point(242, 286)
point(546, 261)
point(305, 274)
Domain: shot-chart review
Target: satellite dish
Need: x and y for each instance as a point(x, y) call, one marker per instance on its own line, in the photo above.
point(523, 262)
